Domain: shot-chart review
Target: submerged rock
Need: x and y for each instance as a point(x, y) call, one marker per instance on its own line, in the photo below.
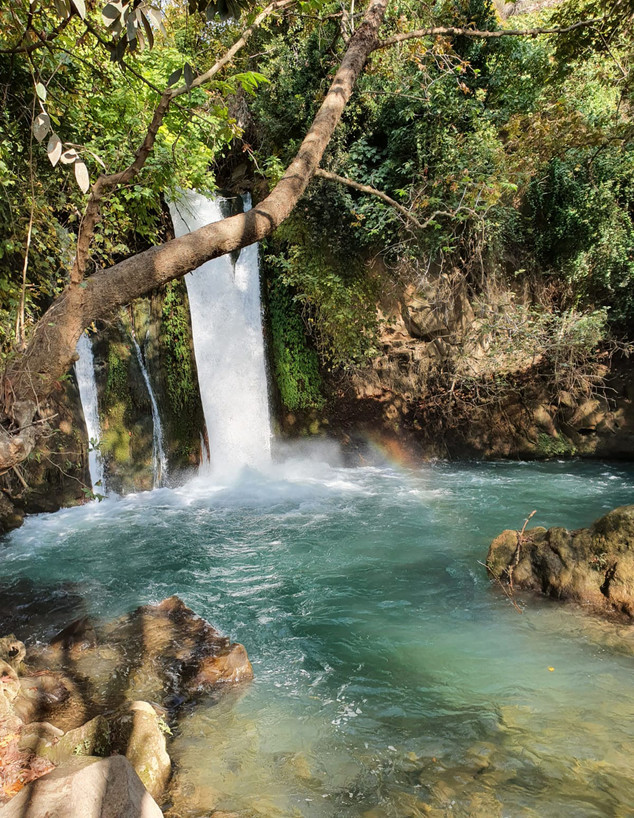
point(593, 566)
point(162, 653)
point(85, 788)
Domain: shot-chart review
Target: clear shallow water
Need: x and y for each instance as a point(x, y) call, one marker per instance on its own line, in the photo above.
point(391, 678)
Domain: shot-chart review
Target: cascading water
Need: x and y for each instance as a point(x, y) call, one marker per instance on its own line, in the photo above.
point(159, 461)
point(224, 301)
point(85, 373)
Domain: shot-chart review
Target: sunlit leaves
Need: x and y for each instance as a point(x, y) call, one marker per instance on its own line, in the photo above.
point(82, 177)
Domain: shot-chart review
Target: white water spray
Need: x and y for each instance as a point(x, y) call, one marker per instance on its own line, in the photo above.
point(159, 461)
point(224, 301)
point(85, 373)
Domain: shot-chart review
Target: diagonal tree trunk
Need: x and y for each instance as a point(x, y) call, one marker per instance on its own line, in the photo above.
point(51, 349)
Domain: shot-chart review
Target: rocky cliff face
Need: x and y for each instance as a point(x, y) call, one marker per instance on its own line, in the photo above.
point(160, 324)
point(57, 473)
point(485, 376)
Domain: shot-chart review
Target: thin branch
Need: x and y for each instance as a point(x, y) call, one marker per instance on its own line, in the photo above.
point(518, 549)
point(333, 177)
point(449, 31)
point(42, 39)
point(508, 595)
point(105, 183)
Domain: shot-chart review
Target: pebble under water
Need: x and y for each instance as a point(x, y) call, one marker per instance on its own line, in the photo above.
point(391, 677)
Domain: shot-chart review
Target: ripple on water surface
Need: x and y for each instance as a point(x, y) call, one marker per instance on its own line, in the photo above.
point(391, 679)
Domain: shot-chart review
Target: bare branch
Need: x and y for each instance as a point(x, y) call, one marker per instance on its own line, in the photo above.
point(42, 39)
point(448, 31)
point(372, 191)
point(333, 177)
point(105, 183)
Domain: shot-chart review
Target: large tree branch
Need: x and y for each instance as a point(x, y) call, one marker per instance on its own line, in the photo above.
point(107, 182)
point(52, 346)
point(449, 31)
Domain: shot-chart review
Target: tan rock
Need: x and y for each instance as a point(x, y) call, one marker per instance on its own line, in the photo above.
point(85, 788)
point(91, 739)
point(593, 566)
point(12, 651)
point(231, 665)
point(50, 696)
point(138, 733)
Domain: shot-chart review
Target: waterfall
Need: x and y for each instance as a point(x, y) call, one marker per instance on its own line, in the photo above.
point(85, 373)
point(224, 301)
point(159, 461)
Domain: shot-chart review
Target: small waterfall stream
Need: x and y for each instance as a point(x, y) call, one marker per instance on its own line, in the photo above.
point(159, 461)
point(85, 373)
point(224, 301)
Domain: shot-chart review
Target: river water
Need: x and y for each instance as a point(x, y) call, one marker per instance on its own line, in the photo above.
point(391, 678)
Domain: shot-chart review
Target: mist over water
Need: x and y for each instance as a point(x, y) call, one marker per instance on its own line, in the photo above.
point(390, 676)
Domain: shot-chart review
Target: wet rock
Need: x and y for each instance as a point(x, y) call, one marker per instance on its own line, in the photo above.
point(139, 734)
point(12, 651)
point(593, 566)
point(230, 665)
point(85, 788)
point(50, 696)
point(161, 653)
point(91, 739)
point(10, 516)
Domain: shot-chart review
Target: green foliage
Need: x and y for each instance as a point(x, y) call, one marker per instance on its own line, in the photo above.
point(116, 376)
point(295, 362)
point(583, 217)
point(336, 294)
point(175, 338)
point(548, 447)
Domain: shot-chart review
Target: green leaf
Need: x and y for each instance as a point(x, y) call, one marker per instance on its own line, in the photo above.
point(40, 90)
point(54, 149)
point(82, 177)
point(189, 74)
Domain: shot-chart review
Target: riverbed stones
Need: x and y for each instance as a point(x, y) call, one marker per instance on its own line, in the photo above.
point(85, 788)
point(91, 739)
point(593, 566)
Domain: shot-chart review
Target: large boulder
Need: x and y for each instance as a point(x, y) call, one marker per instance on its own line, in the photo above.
point(85, 788)
point(139, 733)
point(593, 566)
point(161, 653)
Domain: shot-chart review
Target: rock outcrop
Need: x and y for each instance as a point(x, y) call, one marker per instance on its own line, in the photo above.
point(593, 566)
point(84, 696)
point(85, 788)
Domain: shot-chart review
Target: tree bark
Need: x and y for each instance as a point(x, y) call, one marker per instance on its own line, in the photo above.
point(51, 350)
